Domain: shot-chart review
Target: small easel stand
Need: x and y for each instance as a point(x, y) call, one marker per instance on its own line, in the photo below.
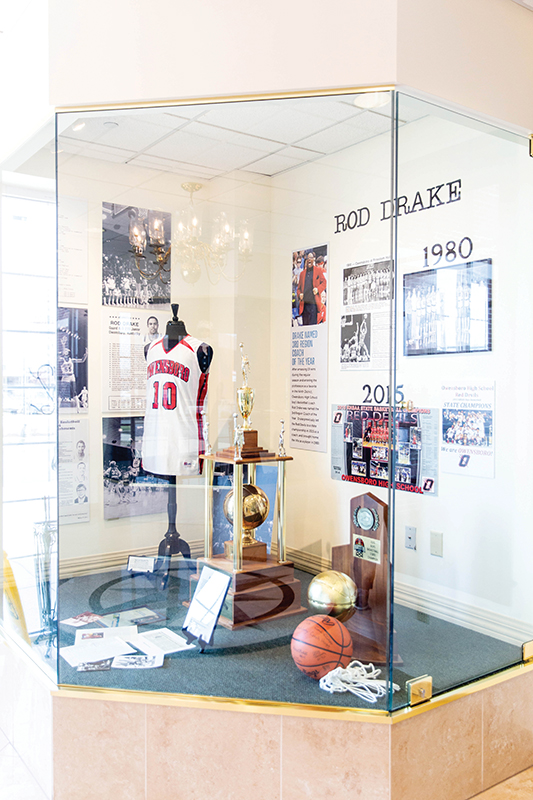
point(366, 561)
point(205, 607)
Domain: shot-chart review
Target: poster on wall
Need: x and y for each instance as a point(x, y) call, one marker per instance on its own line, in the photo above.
point(129, 491)
point(309, 349)
point(367, 288)
point(125, 335)
point(73, 461)
point(135, 256)
point(72, 271)
point(72, 359)
point(360, 447)
point(467, 430)
point(448, 309)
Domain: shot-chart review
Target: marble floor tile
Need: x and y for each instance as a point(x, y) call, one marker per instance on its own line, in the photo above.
point(334, 759)
point(99, 743)
point(437, 755)
point(16, 782)
point(519, 787)
point(206, 754)
point(507, 729)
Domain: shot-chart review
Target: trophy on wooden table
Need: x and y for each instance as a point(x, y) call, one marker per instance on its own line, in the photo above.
point(262, 584)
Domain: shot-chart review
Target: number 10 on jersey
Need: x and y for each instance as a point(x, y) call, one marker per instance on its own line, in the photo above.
point(168, 397)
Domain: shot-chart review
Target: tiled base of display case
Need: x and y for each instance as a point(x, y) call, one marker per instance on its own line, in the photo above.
point(151, 747)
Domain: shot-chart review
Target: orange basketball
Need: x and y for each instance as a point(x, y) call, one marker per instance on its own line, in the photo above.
point(320, 644)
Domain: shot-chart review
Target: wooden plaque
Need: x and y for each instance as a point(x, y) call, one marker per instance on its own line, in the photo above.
point(366, 561)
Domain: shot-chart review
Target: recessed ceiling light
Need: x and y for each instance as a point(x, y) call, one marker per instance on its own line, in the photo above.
point(78, 126)
point(111, 124)
point(371, 99)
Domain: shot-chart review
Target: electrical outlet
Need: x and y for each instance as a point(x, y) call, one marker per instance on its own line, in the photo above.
point(436, 544)
point(410, 537)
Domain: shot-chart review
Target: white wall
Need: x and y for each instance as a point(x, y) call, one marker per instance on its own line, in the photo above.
point(476, 54)
point(24, 67)
point(127, 51)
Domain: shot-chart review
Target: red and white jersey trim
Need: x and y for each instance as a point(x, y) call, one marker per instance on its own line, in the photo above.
point(176, 391)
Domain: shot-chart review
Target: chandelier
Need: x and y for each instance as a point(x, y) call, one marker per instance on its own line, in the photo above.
point(191, 251)
point(149, 229)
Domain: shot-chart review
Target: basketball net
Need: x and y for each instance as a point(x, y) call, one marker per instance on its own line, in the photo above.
point(357, 678)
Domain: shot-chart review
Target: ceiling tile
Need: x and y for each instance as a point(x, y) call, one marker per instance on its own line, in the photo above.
point(242, 116)
point(176, 167)
point(347, 133)
point(273, 164)
point(219, 134)
point(288, 125)
point(181, 146)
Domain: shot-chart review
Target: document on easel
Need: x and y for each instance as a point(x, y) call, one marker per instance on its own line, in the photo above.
point(206, 604)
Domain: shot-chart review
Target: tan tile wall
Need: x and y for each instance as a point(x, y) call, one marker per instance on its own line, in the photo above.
point(156, 752)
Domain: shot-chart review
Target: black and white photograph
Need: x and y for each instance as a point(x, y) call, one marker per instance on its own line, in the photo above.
point(448, 310)
point(73, 473)
point(155, 329)
point(137, 662)
point(355, 339)
point(95, 666)
point(368, 283)
point(72, 359)
point(129, 491)
point(135, 256)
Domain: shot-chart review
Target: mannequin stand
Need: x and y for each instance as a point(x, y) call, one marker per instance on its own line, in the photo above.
point(172, 543)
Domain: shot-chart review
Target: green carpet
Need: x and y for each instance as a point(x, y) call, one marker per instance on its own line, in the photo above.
point(254, 662)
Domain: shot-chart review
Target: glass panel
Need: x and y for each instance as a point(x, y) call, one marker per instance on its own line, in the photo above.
point(462, 605)
point(29, 419)
point(267, 217)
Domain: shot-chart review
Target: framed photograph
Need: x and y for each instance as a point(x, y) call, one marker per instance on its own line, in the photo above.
point(415, 438)
point(403, 474)
point(467, 427)
point(378, 470)
point(448, 309)
point(309, 285)
point(129, 491)
point(367, 283)
point(359, 468)
point(380, 453)
point(72, 359)
point(141, 563)
point(355, 340)
point(404, 454)
point(123, 284)
point(357, 449)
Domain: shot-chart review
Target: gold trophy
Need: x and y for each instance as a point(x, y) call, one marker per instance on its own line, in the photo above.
point(245, 395)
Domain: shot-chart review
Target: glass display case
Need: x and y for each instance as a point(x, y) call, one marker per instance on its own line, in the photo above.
point(295, 307)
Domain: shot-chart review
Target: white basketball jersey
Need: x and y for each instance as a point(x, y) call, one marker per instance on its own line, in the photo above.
point(176, 389)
